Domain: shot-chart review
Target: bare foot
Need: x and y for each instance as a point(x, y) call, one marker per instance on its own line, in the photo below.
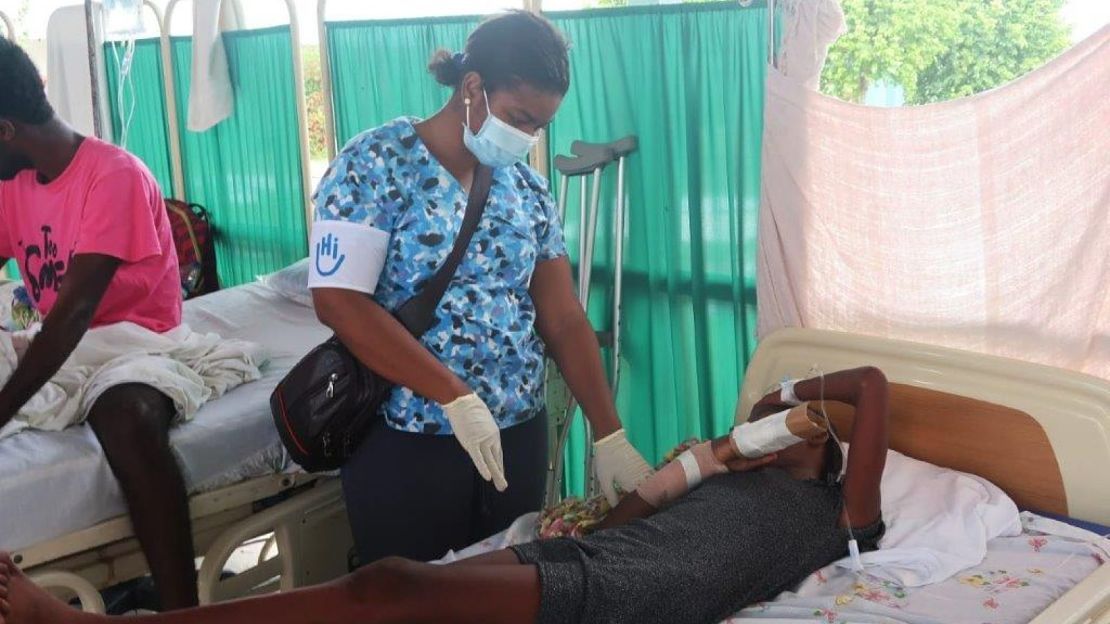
point(22, 602)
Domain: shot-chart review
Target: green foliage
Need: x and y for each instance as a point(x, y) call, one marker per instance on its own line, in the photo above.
point(999, 41)
point(941, 49)
point(20, 19)
point(314, 101)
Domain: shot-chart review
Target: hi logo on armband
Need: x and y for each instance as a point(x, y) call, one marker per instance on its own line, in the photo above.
point(326, 248)
point(347, 255)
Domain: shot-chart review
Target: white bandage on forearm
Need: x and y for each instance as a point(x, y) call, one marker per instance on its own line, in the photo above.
point(765, 436)
point(786, 393)
point(680, 476)
point(346, 255)
point(690, 469)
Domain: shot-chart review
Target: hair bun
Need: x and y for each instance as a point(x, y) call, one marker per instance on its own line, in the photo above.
point(447, 67)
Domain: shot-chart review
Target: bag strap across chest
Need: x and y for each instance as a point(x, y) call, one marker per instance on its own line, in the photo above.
point(418, 313)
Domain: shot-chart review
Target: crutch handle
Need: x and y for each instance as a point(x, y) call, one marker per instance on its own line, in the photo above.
point(599, 152)
point(624, 147)
point(580, 165)
point(619, 148)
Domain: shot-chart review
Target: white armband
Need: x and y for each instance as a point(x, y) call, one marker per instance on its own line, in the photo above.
point(346, 255)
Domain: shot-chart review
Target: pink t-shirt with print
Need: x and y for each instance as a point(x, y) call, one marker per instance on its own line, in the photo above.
point(105, 202)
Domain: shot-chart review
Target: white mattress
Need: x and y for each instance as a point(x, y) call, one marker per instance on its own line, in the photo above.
point(52, 484)
point(1019, 578)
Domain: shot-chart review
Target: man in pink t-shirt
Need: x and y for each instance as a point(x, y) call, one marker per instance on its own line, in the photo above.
point(86, 224)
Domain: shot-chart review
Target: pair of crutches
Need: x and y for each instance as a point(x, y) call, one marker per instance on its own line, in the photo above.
point(588, 162)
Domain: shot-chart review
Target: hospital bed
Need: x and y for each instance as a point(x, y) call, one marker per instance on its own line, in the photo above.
point(64, 519)
point(1041, 434)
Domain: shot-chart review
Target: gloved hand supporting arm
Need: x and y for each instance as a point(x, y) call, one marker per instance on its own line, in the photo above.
point(618, 465)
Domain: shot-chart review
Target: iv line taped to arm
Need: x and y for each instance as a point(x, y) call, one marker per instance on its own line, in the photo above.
point(853, 544)
point(787, 394)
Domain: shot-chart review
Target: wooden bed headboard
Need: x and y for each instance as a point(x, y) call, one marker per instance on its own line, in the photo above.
point(1041, 434)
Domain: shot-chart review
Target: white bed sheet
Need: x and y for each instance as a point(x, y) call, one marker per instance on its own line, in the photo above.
point(1019, 578)
point(52, 484)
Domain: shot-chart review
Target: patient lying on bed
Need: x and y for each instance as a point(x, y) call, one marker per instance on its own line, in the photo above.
point(746, 530)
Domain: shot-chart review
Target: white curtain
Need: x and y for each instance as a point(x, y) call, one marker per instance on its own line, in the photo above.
point(981, 223)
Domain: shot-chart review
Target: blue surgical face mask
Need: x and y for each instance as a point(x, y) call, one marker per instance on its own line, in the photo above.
point(497, 144)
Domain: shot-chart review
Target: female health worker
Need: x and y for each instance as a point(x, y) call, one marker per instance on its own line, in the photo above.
point(387, 212)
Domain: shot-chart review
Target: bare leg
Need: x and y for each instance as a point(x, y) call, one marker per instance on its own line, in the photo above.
point(132, 422)
point(390, 591)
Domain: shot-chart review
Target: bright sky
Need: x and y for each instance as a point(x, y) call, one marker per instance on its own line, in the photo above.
point(1085, 16)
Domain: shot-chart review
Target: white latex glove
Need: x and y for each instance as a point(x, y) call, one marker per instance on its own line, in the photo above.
point(478, 434)
point(618, 465)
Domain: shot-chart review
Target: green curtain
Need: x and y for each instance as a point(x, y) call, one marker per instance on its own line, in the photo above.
point(246, 170)
point(688, 81)
point(144, 102)
point(380, 69)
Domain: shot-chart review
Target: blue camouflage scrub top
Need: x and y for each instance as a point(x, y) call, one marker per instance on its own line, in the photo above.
point(484, 332)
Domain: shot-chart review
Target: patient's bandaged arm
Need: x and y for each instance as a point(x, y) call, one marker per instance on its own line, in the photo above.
point(777, 431)
point(680, 476)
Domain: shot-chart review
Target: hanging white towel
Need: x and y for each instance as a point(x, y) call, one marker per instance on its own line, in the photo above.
point(69, 84)
point(189, 367)
point(211, 97)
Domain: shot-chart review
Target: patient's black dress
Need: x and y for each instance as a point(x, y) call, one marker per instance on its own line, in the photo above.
point(739, 539)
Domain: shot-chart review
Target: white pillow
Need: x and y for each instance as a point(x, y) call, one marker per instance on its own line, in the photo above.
point(938, 522)
point(291, 282)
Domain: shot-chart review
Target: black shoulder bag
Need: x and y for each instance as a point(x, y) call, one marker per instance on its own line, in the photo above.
point(325, 405)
